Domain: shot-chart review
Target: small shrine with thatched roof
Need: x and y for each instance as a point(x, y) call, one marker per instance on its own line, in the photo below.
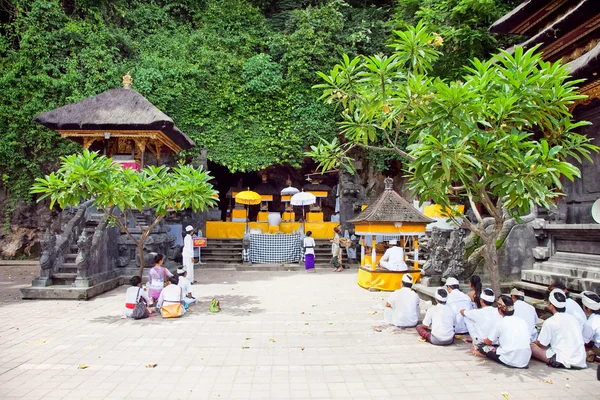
point(120, 123)
point(388, 217)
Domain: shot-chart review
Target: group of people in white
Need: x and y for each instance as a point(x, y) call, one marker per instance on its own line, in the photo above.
point(506, 333)
point(164, 288)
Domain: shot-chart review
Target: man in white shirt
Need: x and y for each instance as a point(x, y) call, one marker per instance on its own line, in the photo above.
point(186, 287)
point(512, 335)
point(438, 324)
point(560, 342)
point(393, 258)
point(457, 301)
point(171, 294)
point(188, 253)
point(482, 321)
point(525, 311)
point(573, 307)
point(402, 307)
point(591, 329)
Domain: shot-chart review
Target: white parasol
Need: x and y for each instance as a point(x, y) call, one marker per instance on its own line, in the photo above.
point(303, 199)
point(288, 191)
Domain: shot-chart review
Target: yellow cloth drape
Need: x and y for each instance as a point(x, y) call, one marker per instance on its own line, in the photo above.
point(388, 281)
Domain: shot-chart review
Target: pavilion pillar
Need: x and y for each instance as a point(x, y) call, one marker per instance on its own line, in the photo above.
point(140, 144)
point(416, 256)
point(373, 252)
point(362, 251)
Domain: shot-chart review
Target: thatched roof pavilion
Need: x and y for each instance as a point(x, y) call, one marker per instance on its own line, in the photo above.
point(390, 208)
point(122, 120)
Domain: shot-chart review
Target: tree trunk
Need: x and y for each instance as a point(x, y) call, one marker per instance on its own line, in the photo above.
point(490, 255)
point(140, 247)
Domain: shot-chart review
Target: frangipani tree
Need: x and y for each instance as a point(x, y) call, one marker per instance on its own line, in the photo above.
point(502, 137)
point(117, 192)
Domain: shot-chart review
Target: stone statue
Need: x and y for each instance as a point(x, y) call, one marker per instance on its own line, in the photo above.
point(48, 249)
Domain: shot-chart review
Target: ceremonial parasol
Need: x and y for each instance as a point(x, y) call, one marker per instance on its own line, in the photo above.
point(289, 191)
point(247, 197)
point(303, 199)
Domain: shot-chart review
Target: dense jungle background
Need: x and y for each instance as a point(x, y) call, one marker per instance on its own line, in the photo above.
point(235, 75)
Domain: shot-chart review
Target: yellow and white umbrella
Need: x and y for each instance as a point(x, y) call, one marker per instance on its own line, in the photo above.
point(247, 198)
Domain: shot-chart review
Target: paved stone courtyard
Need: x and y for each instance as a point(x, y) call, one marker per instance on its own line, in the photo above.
point(280, 335)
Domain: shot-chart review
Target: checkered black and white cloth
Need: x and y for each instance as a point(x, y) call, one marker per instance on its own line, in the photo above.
point(275, 248)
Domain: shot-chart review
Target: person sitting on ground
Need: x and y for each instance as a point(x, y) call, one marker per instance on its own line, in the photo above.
point(185, 284)
point(560, 342)
point(525, 311)
point(512, 335)
point(157, 276)
point(172, 293)
point(402, 307)
point(591, 329)
point(481, 322)
point(573, 307)
point(475, 292)
point(133, 294)
point(438, 324)
point(393, 258)
point(457, 301)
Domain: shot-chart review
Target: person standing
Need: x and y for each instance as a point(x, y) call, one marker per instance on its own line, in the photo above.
point(188, 253)
point(336, 250)
point(438, 324)
point(402, 308)
point(512, 335)
point(309, 252)
point(560, 343)
point(393, 258)
point(524, 311)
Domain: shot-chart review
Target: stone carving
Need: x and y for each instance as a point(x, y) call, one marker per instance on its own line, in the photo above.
point(447, 254)
point(47, 256)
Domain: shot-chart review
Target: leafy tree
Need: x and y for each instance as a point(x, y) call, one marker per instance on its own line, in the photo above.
point(501, 136)
point(117, 192)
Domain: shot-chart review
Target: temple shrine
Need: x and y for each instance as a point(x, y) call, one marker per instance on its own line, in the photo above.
point(568, 238)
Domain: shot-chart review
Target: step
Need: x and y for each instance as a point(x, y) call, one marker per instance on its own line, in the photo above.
point(573, 270)
point(67, 292)
point(63, 278)
point(70, 257)
point(67, 269)
point(586, 260)
point(221, 251)
point(548, 277)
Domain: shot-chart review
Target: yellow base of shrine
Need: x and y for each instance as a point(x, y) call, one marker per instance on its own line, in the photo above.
point(314, 217)
point(238, 213)
point(235, 230)
point(388, 281)
point(263, 216)
point(289, 216)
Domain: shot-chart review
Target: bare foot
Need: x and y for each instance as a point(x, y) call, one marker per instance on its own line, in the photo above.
point(477, 353)
point(468, 340)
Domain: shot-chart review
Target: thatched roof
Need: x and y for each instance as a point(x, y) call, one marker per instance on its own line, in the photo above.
point(266, 188)
point(586, 65)
point(316, 187)
point(390, 207)
point(115, 109)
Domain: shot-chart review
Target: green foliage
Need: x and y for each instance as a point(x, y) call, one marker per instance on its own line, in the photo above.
point(88, 175)
point(464, 26)
point(235, 75)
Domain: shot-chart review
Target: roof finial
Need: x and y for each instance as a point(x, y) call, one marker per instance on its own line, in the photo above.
point(127, 81)
point(389, 183)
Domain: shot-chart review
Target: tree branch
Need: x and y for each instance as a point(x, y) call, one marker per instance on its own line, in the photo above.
point(396, 150)
point(475, 210)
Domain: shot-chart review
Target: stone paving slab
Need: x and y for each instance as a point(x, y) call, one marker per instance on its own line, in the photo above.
point(280, 335)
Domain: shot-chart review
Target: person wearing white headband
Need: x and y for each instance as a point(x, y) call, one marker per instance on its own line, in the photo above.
point(188, 253)
point(573, 307)
point(591, 329)
point(511, 334)
point(457, 301)
point(185, 284)
point(438, 324)
point(481, 321)
point(403, 306)
point(525, 311)
point(393, 258)
point(560, 342)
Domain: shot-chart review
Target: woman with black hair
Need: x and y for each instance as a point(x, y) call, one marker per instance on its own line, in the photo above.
point(133, 294)
point(476, 288)
point(157, 276)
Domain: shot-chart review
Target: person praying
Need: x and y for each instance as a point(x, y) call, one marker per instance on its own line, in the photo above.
point(438, 324)
point(185, 285)
point(591, 329)
point(171, 294)
point(157, 276)
point(573, 307)
point(188, 253)
point(525, 311)
point(512, 335)
point(402, 307)
point(457, 301)
point(481, 321)
point(393, 258)
point(560, 342)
